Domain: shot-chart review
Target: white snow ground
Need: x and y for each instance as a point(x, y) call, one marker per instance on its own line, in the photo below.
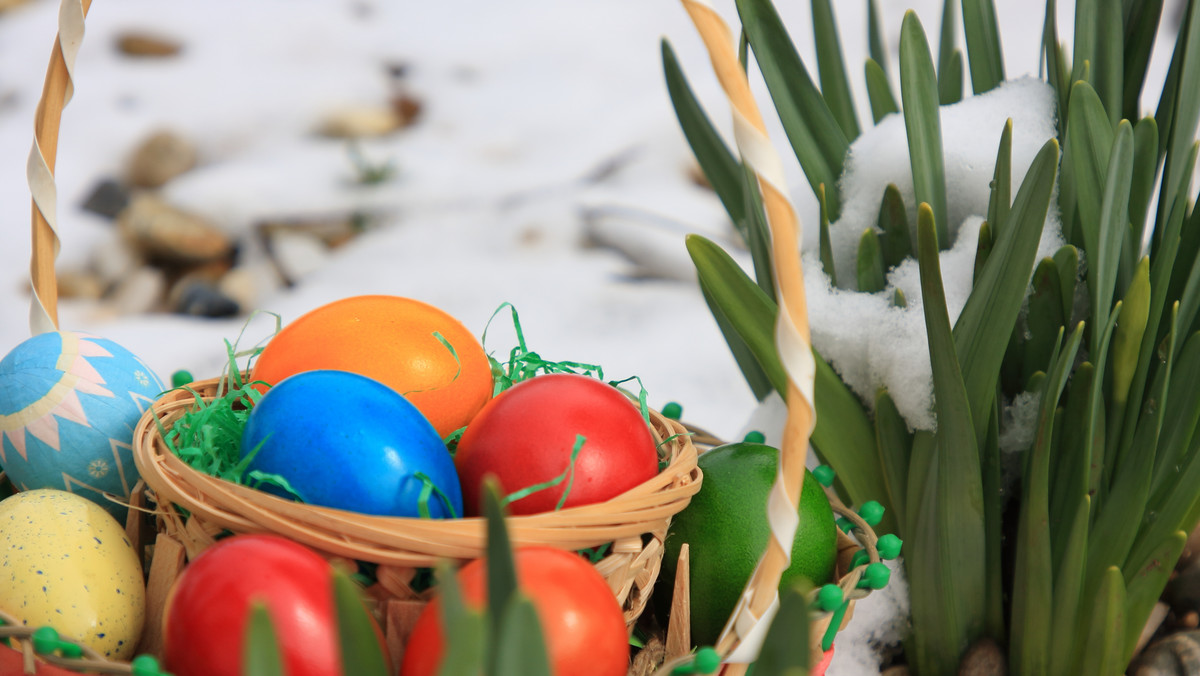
point(524, 101)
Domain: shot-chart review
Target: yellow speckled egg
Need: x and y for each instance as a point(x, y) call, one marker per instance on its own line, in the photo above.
point(65, 562)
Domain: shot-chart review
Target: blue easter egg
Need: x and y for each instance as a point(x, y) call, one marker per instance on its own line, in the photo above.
point(348, 441)
point(68, 404)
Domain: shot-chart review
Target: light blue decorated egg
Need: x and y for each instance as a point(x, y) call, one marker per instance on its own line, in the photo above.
point(68, 405)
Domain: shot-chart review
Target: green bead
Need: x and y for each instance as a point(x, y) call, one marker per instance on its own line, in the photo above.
point(672, 410)
point(145, 665)
point(871, 512)
point(829, 597)
point(825, 475)
point(708, 660)
point(845, 524)
point(754, 437)
point(181, 378)
point(876, 576)
point(889, 546)
point(45, 640)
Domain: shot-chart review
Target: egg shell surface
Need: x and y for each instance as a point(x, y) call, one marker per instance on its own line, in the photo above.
point(68, 405)
point(415, 348)
point(347, 441)
point(66, 563)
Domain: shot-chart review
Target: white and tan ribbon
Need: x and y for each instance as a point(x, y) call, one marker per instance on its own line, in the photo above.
point(742, 638)
point(59, 87)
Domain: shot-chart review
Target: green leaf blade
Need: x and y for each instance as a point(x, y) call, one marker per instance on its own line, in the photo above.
point(831, 68)
point(359, 643)
point(984, 52)
point(261, 655)
point(918, 91)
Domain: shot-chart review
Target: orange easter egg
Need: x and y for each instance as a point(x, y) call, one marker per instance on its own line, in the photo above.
point(414, 348)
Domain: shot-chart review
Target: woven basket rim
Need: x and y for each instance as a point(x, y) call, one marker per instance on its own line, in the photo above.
point(405, 541)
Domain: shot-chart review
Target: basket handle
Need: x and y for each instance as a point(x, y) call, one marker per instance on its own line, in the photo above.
point(56, 92)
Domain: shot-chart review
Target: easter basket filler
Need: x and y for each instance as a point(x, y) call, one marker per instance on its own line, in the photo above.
point(624, 532)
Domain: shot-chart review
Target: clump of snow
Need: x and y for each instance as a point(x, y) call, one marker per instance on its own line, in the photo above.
point(868, 341)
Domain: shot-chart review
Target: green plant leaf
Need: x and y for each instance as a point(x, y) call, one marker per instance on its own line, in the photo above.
point(983, 249)
point(816, 138)
point(1068, 586)
point(825, 243)
point(1141, 21)
point(1106, 633)
point(1145, 585)
point(758, 235)
point(983, 45)
point(894, 442)
point(1104, 258)
point(1071, 470)
point(993, 528)
point(361, 651)
point(1181, 414)
point(261, 653)
point(1109, 64)
point(875, 46)
point(1091, 143)
point(501, 569)
point(521, 648)
point(918, 91)
point(1087, 25)
point(946, 544)
point(879, 92)
point(719, 165)
point(893, 223)
point(1145, 169)
point(986, 323)
point(1067, 260)
point(1045, 319)
point(755, 377)
point(779, 655)
point(1126, 347)
point(465, 631)
point(870, 272)
point(949, 64)
point(1033, 571)
point(1181, 132)
point(1056, 70)
point(832, 69)
point(1165, 111)
point(1000, 195)
point(843, 436)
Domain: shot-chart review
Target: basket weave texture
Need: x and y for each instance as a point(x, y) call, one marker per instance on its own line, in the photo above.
point(635, 522)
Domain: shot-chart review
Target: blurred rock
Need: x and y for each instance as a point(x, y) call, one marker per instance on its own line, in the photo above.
point(407, 107)
point(140, 292)
point(1175, 655)
point(248, 285)
point(201, 298)
point(6, 5)
point(109, 198)
point(163, 233)
point(296, 254)
point(361, 121)
point(1183, 591)
point(160, 158)
point(984, 658)
point(79, 284)
point(113, 259)
point(136, 43)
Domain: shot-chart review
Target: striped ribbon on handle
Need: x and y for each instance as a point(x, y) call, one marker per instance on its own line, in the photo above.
point(740, 641)
point(56, 92)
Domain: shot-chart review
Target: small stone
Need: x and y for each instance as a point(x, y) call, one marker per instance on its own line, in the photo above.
point(140, 292)
point(109, 198)
point(407, 107)
point(334, 231)
point(113, 259)
point(361, 121)
point(984, 658)
point(160, 158)
point(202, 299)
point(297, 254)
point(248, 285)
point(165, 233)
point(1175, 655)
point(133, 43)
point(79, 284)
